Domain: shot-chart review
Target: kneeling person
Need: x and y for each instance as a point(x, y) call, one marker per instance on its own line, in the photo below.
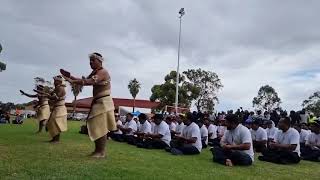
point(236, 144)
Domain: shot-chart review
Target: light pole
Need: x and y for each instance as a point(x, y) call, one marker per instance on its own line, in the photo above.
point(181, 13)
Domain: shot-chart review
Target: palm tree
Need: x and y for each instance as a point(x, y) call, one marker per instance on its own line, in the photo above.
point(76, 89)
point(134, 87)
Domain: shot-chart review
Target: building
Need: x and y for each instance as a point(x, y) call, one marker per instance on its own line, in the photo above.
point(83, 105)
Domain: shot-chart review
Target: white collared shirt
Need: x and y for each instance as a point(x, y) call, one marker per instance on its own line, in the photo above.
point(145, 127)
point(212, 129)
point(119, 122)
point(239, 135)
point(163, 129)
point(291, 136)
point(132, 125)
point(204, 133)
point(259, 135)
point(304, 135)
point(180, 127)
point(193, 131)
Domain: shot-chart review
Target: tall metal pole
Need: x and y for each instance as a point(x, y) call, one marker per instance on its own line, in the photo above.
point(181, 12)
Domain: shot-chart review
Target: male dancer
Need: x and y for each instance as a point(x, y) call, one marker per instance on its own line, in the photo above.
point(43, 108)
point(101, 118)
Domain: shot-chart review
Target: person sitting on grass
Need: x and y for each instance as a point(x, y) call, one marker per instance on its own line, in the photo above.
point(116, 135)
point(221, 128)
point(271, 130)
point(160, 137)
point(236, 144)
point(259, 137)
point(18, 119)
point(189, 142)
point(204, 134)
point(172, 125)
point(286, 146)
point(303, 134)
point(212, 132)
point(129, 129)
point(180, 125)
point(305, 127)
point(311, 151)
point(145, 128)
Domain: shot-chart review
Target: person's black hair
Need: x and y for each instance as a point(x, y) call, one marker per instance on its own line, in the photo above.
point(268, 122)
point(297, 125)
point(256, 122)
point(158, 116)
point(142, 116)
point(190, 116)
point(286, 120)
point(232, 118)
point(130, 114)
point(98, 54)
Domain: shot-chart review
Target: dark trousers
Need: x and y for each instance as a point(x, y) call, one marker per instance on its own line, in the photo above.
point(121, 137)
point(258, 147)
point(187, 149)
point(179, 148)
point(204, 145)
point(237, 157)
point(309, 154)
point(152, 144)
point(280, 157)
point(214, 142)
point(133, 140)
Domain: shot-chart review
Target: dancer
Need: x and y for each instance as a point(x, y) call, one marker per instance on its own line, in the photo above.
point(42, 107)
point(101, 118)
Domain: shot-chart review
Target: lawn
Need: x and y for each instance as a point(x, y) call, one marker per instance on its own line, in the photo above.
point(25, 155)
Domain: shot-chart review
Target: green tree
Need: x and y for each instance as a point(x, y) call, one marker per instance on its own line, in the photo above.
point(165, 93)
point(76, 90)
point(267, 99)
point(313, 103)
point(206, 84)
point(48, 87)
point(3, 66)
point(134, 88)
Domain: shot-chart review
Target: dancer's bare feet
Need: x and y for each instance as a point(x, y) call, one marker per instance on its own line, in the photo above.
point(98, 155)
point(229, 163)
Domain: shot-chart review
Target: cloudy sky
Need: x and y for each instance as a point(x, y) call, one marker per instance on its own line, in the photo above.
point(247, 43)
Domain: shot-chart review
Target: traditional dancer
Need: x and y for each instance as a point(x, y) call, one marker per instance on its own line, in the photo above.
point(57, 122)
point(101, 118)
point(42, 107)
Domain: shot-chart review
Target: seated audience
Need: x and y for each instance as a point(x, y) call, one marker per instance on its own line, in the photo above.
point(160, 137)
point(236, 144)
point(189, 142)
point(311, 151)
point(204, 134)
point(286, 146)
point(259, 137)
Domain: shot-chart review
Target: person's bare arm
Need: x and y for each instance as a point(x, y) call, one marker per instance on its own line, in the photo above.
point(94, 80)
point(28, 95)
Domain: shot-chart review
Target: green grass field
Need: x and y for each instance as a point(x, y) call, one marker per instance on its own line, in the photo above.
point(25, 155)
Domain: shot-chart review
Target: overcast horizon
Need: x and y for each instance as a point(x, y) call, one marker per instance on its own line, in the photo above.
point(247, 43)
